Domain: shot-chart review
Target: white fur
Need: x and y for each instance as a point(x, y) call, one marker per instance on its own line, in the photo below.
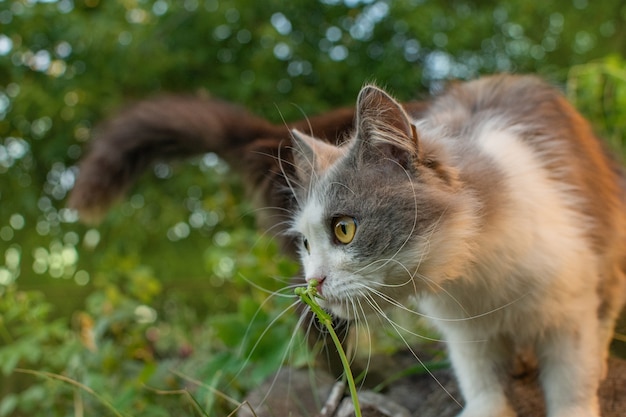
point(535, 270)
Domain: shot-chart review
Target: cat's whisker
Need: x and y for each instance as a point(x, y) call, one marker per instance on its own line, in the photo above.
point(403, 307)
point(344, 186)
point(274, 320)
point(411, 280)
point(370, 346)
point(244, 340)
point(288, 289)
point(289, 180)
point(397, 329)
point(288, 349)
point(381, 313)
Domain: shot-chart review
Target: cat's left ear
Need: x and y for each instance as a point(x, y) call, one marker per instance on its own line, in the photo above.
point(384, 128)
point(312, 156)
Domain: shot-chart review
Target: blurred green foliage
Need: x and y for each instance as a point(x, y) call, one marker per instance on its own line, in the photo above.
point(165, 282)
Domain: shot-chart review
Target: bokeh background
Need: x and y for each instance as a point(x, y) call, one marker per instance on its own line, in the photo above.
point(173, 290)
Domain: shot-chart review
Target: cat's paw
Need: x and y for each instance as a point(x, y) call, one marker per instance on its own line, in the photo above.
point(487, 410)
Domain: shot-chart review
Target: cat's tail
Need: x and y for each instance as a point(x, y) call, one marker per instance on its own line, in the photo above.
point(170, 127)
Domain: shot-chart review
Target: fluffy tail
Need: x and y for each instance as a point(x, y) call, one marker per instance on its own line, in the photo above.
point(177, 126)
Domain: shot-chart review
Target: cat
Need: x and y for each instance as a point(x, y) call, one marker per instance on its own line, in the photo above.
point(493, 204)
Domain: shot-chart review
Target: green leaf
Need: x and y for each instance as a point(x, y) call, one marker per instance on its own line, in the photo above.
point(8, 404)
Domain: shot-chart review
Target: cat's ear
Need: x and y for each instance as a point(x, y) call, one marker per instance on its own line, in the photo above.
point(312, 156)
point(384, 128)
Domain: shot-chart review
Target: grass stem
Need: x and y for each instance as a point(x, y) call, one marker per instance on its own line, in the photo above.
point(309, 295)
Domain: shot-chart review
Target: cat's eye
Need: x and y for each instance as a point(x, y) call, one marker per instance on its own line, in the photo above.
point(344, 228)
point(305, 243)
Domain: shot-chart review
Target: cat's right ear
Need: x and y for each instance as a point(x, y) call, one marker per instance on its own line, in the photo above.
point(311, 156)
point(384, 129)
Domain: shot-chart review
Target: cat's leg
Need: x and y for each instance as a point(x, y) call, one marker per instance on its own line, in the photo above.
point(613, 295)
point(571, 367)
point(479, 368)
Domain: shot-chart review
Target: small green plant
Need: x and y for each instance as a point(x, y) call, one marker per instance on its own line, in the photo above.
point(309, 296)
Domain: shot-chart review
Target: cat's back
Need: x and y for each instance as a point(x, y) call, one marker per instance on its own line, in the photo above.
point(538, 121)
point(537, 165)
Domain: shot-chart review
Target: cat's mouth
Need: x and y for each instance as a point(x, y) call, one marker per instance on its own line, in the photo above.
point(346, 308)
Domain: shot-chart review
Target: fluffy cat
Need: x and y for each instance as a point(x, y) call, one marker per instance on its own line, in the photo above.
point(493, 204)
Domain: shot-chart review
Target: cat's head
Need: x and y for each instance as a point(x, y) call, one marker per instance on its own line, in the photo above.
point(372, 212)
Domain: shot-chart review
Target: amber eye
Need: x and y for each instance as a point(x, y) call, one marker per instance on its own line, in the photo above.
point(344, 228)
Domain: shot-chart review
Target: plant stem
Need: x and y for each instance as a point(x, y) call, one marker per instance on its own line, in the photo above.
point(49, 375)
point(308, 296)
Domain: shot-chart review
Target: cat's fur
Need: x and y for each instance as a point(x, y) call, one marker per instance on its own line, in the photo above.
point(494, 205)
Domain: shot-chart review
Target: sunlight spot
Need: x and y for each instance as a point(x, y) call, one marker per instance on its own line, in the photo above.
point(190, 5)
point(583, 42)
point(13, 90)
point(225, 267)
point(282, 51)
point(71, 238)
point(125, 38)
point(145, 314)
point(281, 23)
point(222, 238)
point(210, 160)
point(17, 221)
point(6, 277)
point(159, 8)
point(57, 68)
point(5, 102)
point(81, 277)
point(222, 32)
point(40, 61)
point(333, 34)
point(6, 17)
point(63, 49)
point(6, 233)
point(12, 258)
point(244, 36)
point(82, 133)
point(196, 219)
point(556, 22)
point(136, 16)
point(607, 28)
point(162, 171)
point(69, 255)
point(231, 15)
point(6, 44)
point(440, 39)
point(211, 5)
point(40, 265)
point(40, 126)
point(338, 53)
point(71, 98)
point(179, 231)
point(43, 227)
point(16, 147)
point(137, 201)
point(92, 238)
point(65, 6)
